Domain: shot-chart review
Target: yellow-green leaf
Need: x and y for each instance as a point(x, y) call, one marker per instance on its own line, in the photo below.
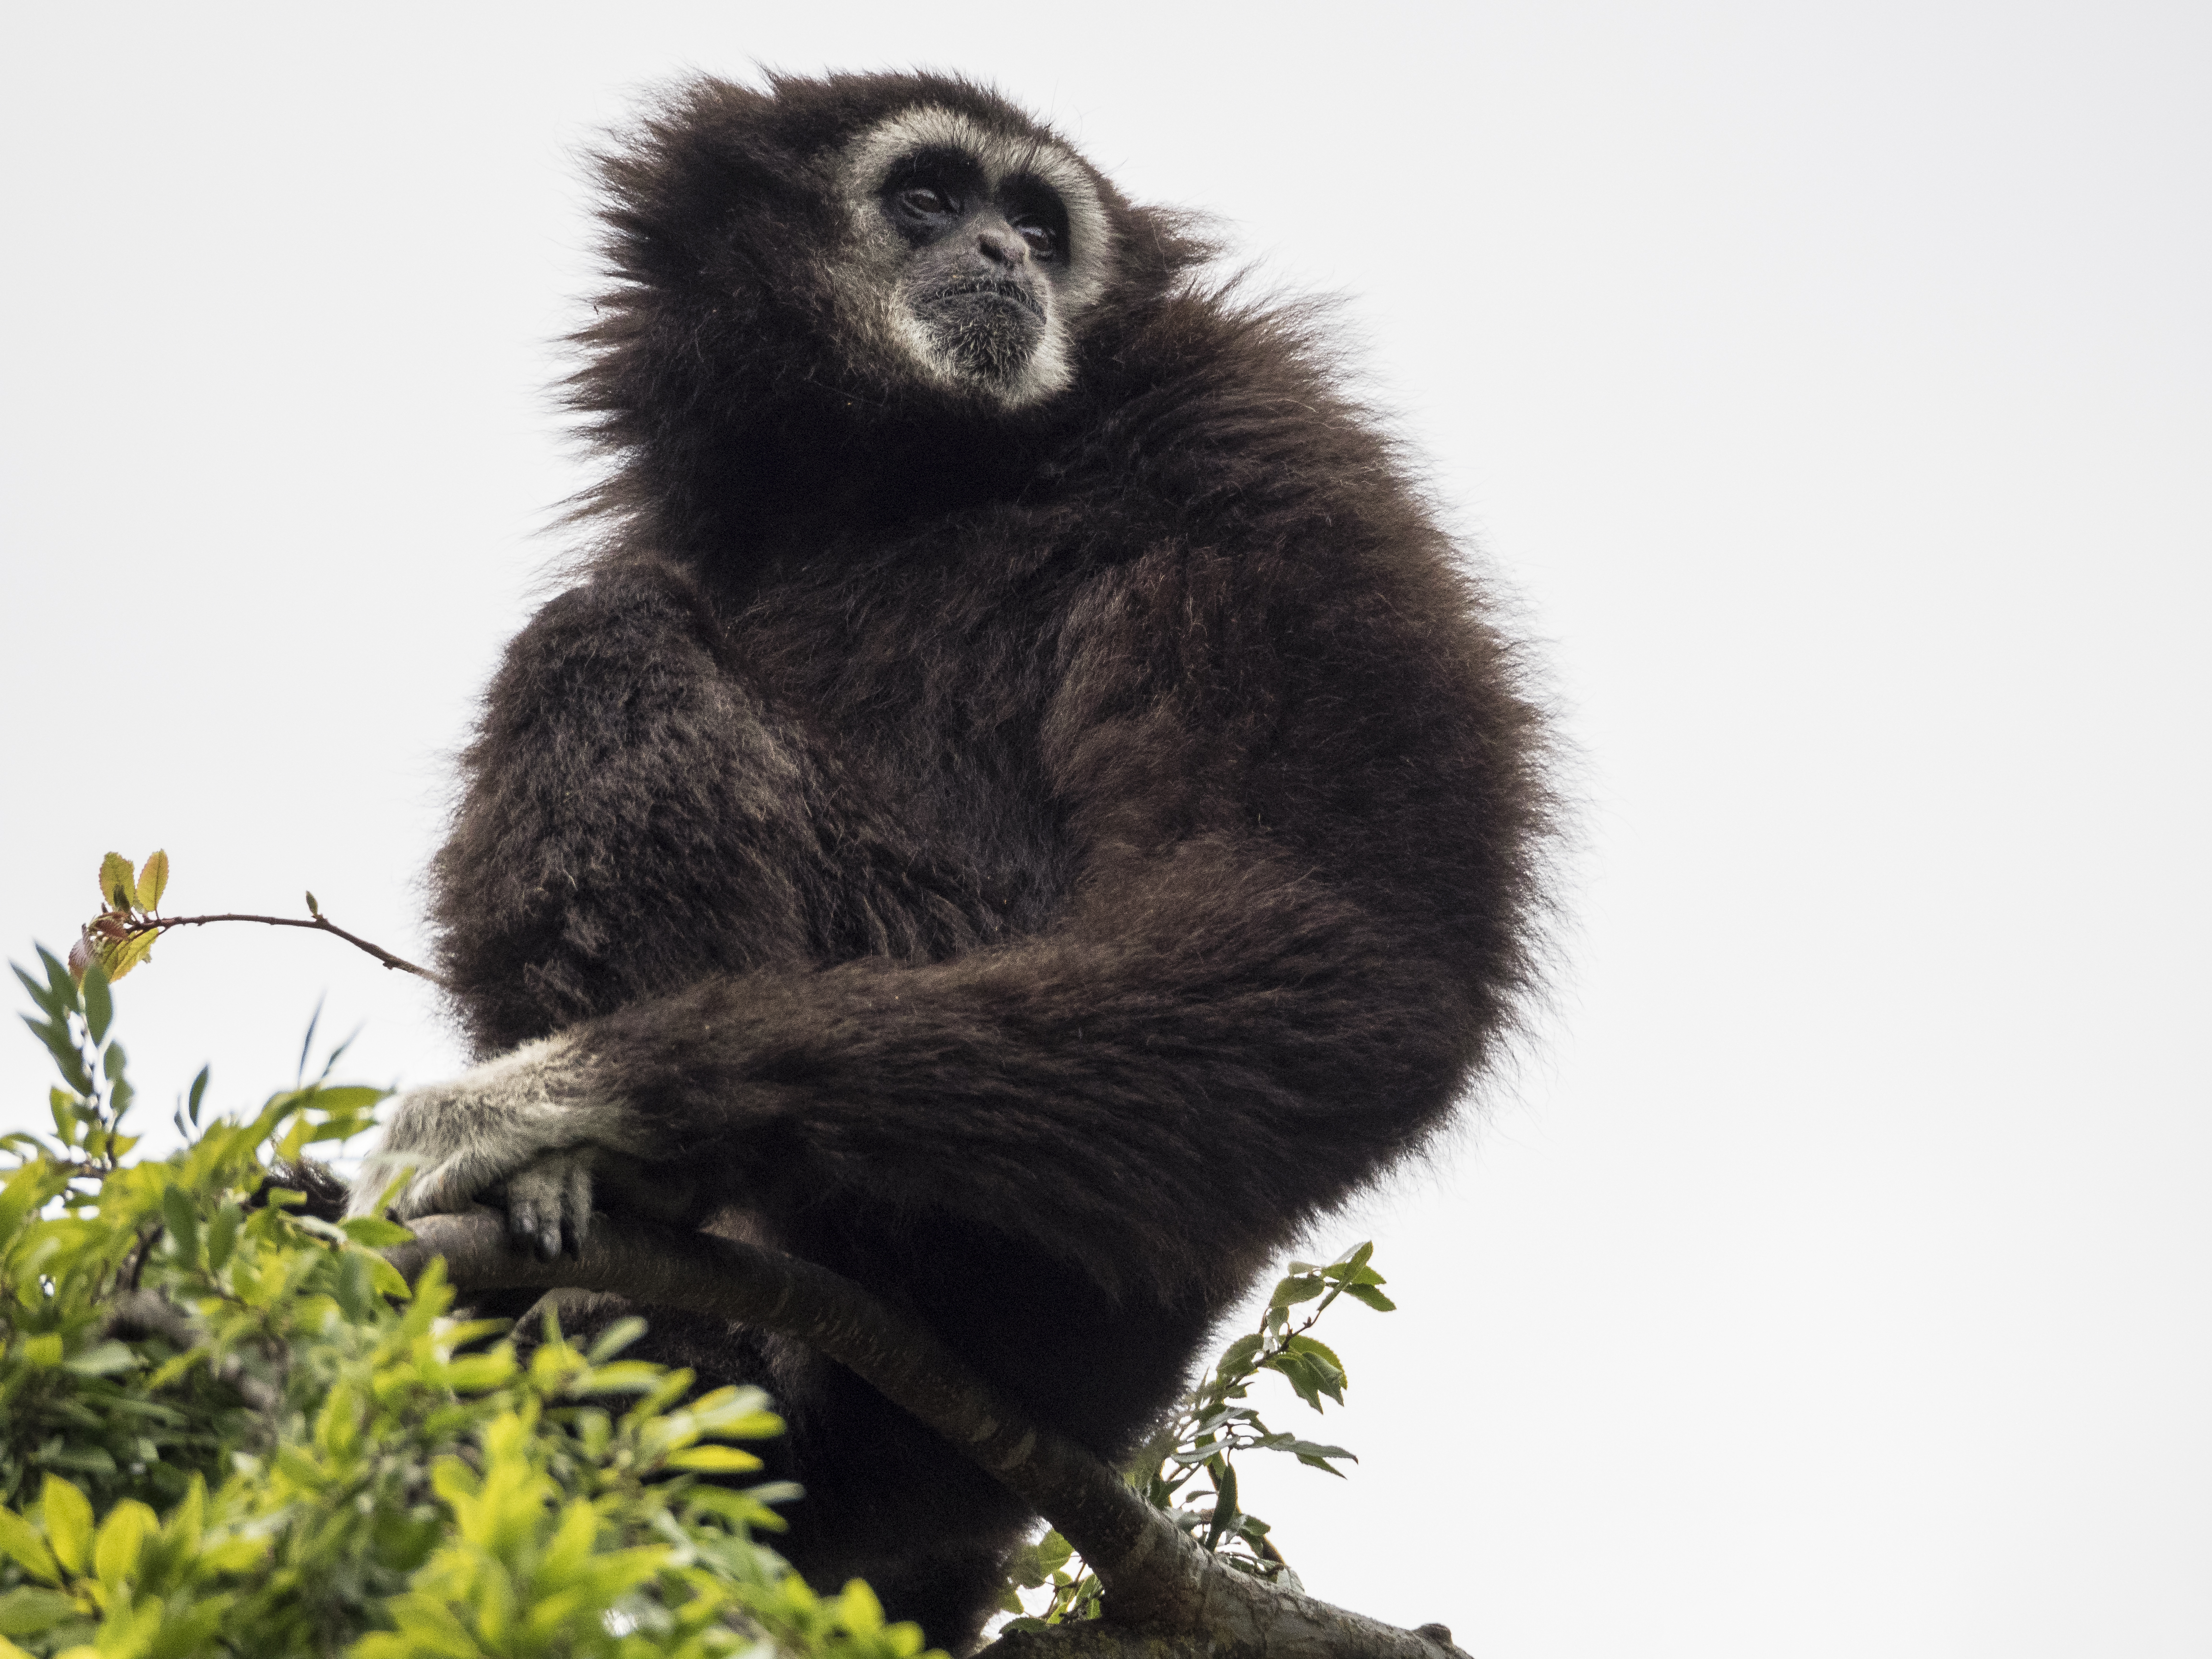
point(338, 1426)
point(69, 1522)
point(19, 1541)
point(718, 1460)
point(572, 1543)
point(386, 1280)
point(115, 1550)
point(186, 1520)
point(472, 1373)
point(119, 957)
point(118, 886)
point(858, 1610)
point(234, 1554)
point(152, 880)
point(28, 1612)
point(374, 1231)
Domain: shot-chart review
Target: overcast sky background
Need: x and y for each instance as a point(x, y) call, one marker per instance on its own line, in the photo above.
point(1830, 383)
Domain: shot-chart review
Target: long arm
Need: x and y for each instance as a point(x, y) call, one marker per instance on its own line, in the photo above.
point(617, 760)
point(1296, 824)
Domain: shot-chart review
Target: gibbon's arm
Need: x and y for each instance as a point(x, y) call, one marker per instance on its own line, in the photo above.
point(615, 759)
point(1276, 966)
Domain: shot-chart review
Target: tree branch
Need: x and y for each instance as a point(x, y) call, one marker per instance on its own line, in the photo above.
point(1159, 1583)
point(320, 923)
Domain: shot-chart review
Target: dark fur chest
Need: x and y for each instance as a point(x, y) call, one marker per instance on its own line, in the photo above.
point(910, 682)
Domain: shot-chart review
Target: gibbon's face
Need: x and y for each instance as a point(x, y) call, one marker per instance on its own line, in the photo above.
point(983, 260)
point(981, 251)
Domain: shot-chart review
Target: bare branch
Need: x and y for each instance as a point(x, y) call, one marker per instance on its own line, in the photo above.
point(128, 926)
point(1159, 1583)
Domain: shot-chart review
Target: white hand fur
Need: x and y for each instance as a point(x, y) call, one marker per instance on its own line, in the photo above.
point(523, 1132)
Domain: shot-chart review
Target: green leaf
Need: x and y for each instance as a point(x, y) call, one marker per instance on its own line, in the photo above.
point(1224, 1504)
point(1299, 1371)
point(473, 1373)
point(375, 1232)
point(184, 1223)
point(301, 1469)
point(186, 1522)
point(613, 1339)
point(387, 1280)
point(1236, 1359)
point(235, 1554)
point(122, 1535)
point(23, 1192)
point(353, 1291)
point(67, 1061)
point(1295, 1289)
point(20, 1543)
point(199, 1088)
point(623, 1376)
point(858, 1610)
point(101, 1359)
point(222, 1235)
point(26, 1611)
point(338, 1426)
point(187, 1635)
point(351, 1099)
point(1316, 1346)
point(713, 1460)
point(118, 886)
point(61, 984)
point(119, 957)
point(746, 1507)
point(68, 1515)
point(1373, 1298)
point(54, 1006)
point(152, 880)
point(1307, 1448)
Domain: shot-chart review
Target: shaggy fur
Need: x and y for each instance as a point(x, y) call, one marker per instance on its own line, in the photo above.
point(1031, 857)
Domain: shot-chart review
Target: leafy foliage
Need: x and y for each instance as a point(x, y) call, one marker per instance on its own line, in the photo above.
point(1211, 1427)
point(118, 939)
point(227, 1427)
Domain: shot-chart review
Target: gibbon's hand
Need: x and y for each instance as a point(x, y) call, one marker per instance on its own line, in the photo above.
point(523, 1133)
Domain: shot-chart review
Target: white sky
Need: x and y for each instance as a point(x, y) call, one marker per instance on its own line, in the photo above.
point(1830, 383)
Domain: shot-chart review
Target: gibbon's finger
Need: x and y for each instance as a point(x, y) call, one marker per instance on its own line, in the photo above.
point(534, 1209)
point(576, 1206)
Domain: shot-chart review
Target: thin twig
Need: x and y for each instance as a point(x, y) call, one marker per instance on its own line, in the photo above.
point(324, 924)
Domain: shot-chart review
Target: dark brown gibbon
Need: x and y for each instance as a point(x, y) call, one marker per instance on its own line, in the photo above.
point(1024, 806)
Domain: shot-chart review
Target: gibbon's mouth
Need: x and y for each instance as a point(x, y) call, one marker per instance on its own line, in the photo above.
point(1013, 293)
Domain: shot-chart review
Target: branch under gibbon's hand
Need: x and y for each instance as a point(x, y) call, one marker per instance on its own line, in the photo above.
point(1159, 1583)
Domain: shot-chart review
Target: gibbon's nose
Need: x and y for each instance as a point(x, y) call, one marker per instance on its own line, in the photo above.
point(1002, 244)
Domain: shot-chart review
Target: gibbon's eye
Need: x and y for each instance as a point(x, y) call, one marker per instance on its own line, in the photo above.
point(926, 201)
point(1044, 240)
